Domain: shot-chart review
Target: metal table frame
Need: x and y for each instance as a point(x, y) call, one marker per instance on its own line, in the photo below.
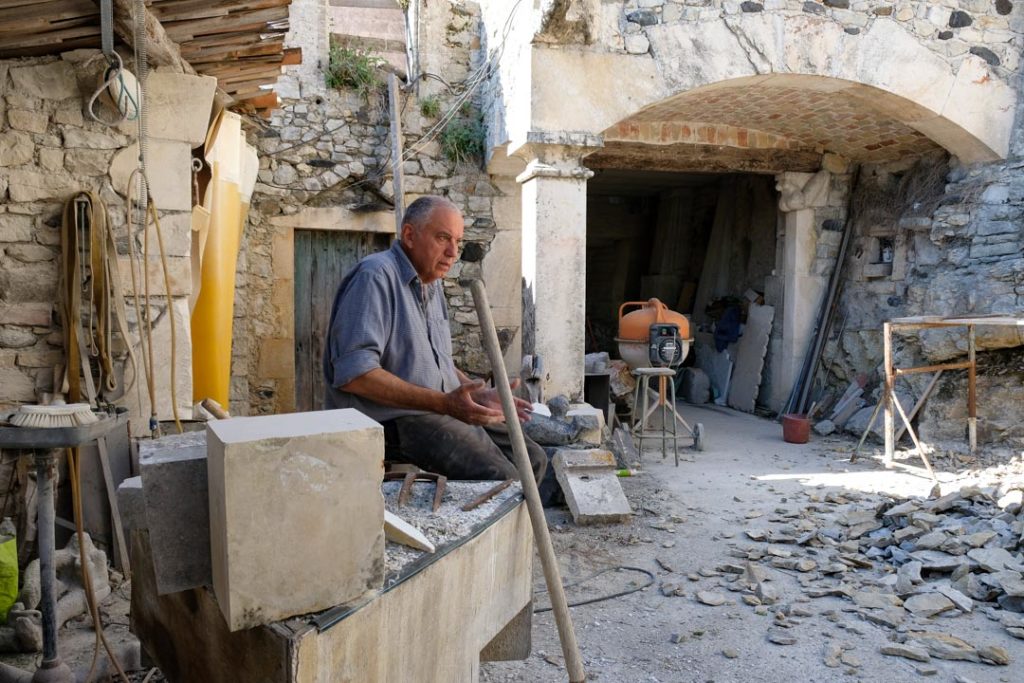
point(892, 373)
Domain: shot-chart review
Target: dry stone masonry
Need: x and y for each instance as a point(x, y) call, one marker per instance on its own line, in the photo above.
point(49, 150)
point(990, 30)
point(325, 165)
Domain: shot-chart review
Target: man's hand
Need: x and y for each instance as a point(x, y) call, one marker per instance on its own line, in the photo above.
point(462, 404)
point(491, 399)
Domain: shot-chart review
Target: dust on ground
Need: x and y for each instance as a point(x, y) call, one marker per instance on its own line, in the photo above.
point(743, 538)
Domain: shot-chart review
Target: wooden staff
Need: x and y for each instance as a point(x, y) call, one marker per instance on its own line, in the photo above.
point(566, 634)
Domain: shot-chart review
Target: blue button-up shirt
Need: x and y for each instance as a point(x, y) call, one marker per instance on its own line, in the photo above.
point(384, 317)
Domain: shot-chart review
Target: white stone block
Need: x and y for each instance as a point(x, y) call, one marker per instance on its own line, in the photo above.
point(296, 513)
point(591, 487)
point(169, 167)
point(179, 106)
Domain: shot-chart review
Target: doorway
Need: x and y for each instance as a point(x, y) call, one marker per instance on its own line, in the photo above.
point(322, 258)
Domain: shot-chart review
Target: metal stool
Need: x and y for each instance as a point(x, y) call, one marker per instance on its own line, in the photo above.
point(640, 428)
point(668, 412)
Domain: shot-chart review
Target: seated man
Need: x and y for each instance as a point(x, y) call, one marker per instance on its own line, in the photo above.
point(389, 355)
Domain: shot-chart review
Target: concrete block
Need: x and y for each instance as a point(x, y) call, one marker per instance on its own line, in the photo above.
point(179, 106)
point(591, 488)
point(296, 513)
point(695, 386)
point(173, 192)
point(132, 505)
point(591, 421)
point(177, 509)
point(750, 354)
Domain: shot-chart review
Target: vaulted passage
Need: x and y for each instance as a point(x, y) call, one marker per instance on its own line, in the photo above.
point(691, 240)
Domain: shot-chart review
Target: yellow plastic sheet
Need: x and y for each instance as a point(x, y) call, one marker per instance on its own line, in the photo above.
point(8, 575)
point(233, 164)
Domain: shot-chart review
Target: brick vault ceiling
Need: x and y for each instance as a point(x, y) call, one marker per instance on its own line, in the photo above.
point(811, 120)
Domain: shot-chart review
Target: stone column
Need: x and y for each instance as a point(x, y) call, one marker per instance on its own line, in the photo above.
point(800, 194)
point(554, 236)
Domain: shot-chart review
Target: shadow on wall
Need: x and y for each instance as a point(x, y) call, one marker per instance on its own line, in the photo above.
point(528, 318)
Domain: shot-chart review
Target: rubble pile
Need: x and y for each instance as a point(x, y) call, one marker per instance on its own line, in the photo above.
point(903, 563)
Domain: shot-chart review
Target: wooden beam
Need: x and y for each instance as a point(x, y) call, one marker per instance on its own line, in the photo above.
point(161, 50)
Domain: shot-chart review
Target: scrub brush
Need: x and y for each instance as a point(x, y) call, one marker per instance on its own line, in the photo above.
point(73, 415)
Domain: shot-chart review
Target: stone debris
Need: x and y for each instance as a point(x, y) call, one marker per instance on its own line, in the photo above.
point(711, 598)
point(730, 653)
point(926, 671)
point(833, 655)
point(928, 604)
point(918, 654)
point(672, 590)
point(780, 637)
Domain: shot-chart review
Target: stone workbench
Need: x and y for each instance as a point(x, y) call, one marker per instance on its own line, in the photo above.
point(437, 616)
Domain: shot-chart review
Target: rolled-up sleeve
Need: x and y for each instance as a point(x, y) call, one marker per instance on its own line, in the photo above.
point(360, 325)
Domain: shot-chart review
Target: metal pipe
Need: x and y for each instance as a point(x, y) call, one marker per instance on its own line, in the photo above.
point(552, 577)
point(47, 569)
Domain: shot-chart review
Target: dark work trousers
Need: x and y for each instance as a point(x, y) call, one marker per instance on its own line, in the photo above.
point(445, 445)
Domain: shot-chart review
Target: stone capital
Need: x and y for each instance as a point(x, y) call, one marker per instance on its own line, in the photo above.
point(802, 190)
point(555, 155)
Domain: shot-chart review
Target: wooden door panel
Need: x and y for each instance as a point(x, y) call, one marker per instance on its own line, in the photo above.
point(322, 258)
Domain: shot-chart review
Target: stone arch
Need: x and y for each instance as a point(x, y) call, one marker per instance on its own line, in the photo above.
point(961, 105)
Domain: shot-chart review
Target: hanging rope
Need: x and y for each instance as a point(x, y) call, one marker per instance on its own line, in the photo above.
point(150, 212)
point(86, 228)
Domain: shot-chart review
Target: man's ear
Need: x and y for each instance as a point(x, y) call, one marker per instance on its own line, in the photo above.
point(406, 233)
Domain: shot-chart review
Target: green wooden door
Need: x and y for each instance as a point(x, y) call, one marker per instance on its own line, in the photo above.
point(322, 258)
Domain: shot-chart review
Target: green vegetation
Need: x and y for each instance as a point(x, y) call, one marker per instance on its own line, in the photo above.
point(463, 139)
point(430, 107)
point(356, 69)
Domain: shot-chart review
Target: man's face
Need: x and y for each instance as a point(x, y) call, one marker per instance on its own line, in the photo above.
point(434, 247)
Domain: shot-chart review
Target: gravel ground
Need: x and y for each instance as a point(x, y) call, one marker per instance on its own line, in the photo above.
point(691, 521)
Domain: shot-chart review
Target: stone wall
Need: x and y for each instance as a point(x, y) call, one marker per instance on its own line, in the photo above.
point(964, 257)
point(50, 149)
point(324, 165)
point(990, 29)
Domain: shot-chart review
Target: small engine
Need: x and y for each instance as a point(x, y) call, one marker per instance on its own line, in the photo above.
point(665, 348)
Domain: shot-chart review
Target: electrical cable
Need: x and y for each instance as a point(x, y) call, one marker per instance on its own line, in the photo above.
point(602, 598)
point(473, 81)
point(90, 596)
point(147, 331)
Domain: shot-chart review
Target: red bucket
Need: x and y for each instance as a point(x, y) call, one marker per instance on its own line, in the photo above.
point(796, 428)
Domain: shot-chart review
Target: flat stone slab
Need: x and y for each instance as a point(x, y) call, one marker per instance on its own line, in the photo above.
point(591, 487)
point(174, 485)
point(296, 513)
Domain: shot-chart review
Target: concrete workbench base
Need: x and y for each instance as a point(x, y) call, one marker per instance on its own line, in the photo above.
point(434, 625)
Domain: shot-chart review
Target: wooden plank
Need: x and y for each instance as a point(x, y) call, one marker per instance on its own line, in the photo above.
point(292, 56)
point(217, 54)
point(241, 21)
point(4, 4)
point(50, 38)
point(115, 512)
point(396, 151)
point(16, 18)
point(267, 100)
point(200, 9)
point(161, 48)
point(242, 68)
point(303, 240)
